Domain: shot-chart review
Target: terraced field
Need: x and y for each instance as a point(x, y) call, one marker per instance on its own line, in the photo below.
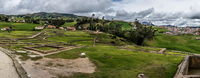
point(111, 61)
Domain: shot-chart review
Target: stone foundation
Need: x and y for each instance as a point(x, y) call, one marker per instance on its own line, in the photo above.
point(189, 68)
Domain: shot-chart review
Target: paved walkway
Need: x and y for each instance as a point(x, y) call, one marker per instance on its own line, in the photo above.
point(6, 67)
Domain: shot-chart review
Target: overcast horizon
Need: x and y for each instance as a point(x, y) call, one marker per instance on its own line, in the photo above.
point(165, 12)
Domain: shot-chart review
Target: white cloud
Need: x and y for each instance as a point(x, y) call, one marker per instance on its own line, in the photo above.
point(64, 6)
point(160, 12)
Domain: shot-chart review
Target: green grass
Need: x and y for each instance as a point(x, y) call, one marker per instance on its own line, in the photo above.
point(132, 47)
point(125, 25)
point(143, 48)
point(186, 43)
point(84, 42)
point(176, 53)
point(24, 56)
point(147, 48)
point(19, 26)
point(123, 63)
point(45, 48)
point(76, 33)
point(69, 24)
point(160, 30)
point(16, 34)
point(68, 39)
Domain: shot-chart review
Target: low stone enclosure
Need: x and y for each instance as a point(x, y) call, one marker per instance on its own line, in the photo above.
point(149, 49)
point(189, 67)
point(57, 48)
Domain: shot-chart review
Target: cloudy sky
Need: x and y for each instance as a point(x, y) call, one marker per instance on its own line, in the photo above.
point(159, 12)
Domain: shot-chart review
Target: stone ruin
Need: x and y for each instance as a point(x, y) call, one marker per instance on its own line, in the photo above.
point(189, 68)
point(57, 48)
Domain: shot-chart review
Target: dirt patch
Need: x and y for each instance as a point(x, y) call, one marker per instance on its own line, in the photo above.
point(48, 68)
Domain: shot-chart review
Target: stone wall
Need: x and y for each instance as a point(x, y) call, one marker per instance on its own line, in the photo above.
point(58, 48)
point(182, 68)
point(189, 62)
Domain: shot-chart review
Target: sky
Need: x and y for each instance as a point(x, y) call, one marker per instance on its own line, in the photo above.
point(159, 12)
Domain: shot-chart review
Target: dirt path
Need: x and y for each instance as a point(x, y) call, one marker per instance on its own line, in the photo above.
point(33, 36)
point(6, 67)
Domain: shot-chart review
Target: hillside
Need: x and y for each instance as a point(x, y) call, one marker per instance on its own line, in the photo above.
point(107, 56)
point(47, 15)
point(19, 26)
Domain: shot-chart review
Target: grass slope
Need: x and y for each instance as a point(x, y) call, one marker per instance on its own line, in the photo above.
point(19, 26)
point(16, 34)
point(186, 43)
point(117, 63)
point(69, 24)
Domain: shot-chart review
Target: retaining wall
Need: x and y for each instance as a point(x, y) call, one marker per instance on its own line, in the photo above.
point(189, 62)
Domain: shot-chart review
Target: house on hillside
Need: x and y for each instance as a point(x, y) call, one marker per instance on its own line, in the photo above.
point(39, 27)
point(51, 27)
point(61, 28)
point(197, 33)
point(71, 28)
point(147, 23)
point(85, 28)
point(168, 33)
point(5, 28)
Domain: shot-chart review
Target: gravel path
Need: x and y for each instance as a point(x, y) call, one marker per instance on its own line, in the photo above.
point(6, 67)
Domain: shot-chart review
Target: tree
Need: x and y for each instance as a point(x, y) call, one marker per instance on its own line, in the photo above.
point(141, 32)
point(57, 23)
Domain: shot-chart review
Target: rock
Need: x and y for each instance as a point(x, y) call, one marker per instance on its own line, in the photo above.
point(142, 75)
point(82, 55)
point(37, 62)
point(22, 51)
point(33, 56)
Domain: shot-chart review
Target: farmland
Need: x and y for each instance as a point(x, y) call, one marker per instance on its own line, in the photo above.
point(19, 26)
point(109, 60)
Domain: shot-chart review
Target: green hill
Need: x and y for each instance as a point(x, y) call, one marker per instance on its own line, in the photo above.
point(19, 26)
point(186, 43)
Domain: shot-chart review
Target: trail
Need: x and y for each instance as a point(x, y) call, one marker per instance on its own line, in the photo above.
point(7, 69)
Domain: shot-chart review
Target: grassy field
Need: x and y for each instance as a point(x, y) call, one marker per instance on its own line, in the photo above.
point(76, 33)
point(125, 25)
point(84, 42)
point(69, 24)
point(186, 43)
point(85, 25)
point(117, 63)
point(16, 34)
point(68, 39)
point(143, 48)
point(111, 61)
point(176, 53)
point(45, 48)
point(160, 30)
point(19, 26)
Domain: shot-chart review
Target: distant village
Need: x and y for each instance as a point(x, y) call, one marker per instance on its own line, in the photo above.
point(174, 30)
point(46, 27)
